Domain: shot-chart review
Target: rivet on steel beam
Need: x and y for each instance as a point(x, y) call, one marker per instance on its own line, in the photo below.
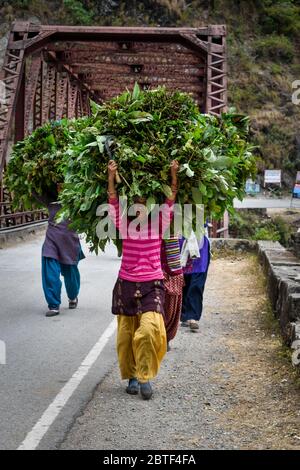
point(125, 45)
point(136, 68)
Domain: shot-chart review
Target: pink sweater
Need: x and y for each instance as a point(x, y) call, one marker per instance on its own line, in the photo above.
point(141, 259)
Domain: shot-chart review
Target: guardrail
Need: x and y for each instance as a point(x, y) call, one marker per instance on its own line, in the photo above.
point(220, 228)
point(9, 219)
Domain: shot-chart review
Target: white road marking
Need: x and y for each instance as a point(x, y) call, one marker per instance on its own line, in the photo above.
point(35, 436)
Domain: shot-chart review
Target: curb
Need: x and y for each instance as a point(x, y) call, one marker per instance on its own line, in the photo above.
point(20, 234)
point(282, 269)
point(234, 244)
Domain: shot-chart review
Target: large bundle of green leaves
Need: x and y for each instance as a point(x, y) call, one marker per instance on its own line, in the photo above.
point(150, 129)
point(37, 164)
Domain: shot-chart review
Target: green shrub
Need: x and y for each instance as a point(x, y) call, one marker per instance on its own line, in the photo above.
point(243, 223)
point(275, 47)
point(268, 232)
point(254, 224)
point(284, 229)
point(281, 18)
point(242, 97)
point(276, 69)
point(78, 13)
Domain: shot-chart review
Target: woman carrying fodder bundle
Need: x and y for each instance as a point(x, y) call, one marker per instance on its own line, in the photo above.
point(61, 253)
point(173, 283)
point(138, 296)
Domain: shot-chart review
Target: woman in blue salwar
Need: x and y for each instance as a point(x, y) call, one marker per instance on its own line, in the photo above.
point(195, 274)
point(61, 253)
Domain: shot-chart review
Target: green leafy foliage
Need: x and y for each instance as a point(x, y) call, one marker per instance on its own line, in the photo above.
point(277, 47)
point(78, 12)
point(37, 164)
point(282, 17)
point(150, 129)
point(267, 233)
point(260, 71)
point(147, 130)
point(255, 224)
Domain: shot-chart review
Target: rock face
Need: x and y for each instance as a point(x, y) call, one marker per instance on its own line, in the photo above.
point(296, 243)
point(283, 274)
point(3, 45)
point(282, 268)
point(236, 244)
point(4, 33)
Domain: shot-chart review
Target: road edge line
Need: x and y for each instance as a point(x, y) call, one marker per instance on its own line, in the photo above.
point(39, 430)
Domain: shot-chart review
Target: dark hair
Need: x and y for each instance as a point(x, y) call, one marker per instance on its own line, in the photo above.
point(139, 200)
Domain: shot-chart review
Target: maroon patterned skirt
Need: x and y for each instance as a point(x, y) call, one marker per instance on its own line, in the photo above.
point(132, 298)
point(173, 303)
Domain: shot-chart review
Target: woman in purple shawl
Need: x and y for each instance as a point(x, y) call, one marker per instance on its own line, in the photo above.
point(61, 253)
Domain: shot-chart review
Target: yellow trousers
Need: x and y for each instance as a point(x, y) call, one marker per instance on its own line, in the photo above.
point(141, 345)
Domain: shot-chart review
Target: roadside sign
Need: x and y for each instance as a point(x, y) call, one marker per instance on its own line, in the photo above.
point(272, 176)
point(252, 187)
point(296, 190)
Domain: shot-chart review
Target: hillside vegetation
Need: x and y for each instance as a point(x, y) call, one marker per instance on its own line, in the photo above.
point(263, 54)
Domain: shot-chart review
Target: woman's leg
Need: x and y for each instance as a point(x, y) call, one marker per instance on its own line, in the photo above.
point(173, 304)
point(185, 300)
point(149, 345)
point(126, 329)
point(51, 282)
point(193, 296)
point(72, 279)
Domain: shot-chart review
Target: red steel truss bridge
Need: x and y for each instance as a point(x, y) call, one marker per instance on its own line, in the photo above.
point(51, 72)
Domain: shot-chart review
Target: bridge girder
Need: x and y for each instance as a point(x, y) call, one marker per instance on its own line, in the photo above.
point(50, 72)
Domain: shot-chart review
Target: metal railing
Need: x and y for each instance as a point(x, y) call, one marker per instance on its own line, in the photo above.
point(220, 228)
point(10, 219)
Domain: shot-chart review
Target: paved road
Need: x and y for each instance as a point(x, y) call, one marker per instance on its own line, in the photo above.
point(43, 353)
point(267, 203)
point(225, 387)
